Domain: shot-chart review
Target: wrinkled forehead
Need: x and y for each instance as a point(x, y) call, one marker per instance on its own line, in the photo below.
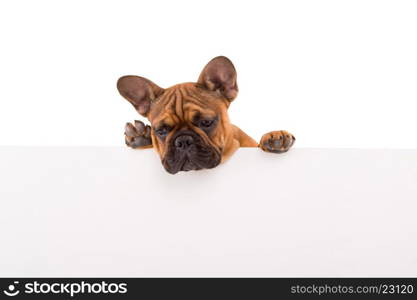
point(184, 103)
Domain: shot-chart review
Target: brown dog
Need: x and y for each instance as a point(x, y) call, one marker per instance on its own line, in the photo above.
point(190, 127)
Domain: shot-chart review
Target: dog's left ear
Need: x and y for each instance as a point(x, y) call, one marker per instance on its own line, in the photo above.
point(220, 75)
point(139, 91)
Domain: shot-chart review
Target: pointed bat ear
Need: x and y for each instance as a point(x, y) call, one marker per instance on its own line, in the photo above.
point(220, 75)
point(139, 92)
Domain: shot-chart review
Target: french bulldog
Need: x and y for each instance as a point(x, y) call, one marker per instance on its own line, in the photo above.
point(189, 124)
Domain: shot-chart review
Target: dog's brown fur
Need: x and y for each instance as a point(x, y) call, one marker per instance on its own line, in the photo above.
point(180, 108)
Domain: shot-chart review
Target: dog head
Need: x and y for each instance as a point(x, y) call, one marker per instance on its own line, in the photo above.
point(189, 121)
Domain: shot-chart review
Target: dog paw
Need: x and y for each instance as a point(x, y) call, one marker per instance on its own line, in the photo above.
point(277, 141)
point(138, 135)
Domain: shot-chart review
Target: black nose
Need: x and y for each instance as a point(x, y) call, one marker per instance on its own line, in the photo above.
point(182, 142)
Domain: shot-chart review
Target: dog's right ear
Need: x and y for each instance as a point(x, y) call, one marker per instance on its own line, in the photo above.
point(139, 92)
point(220, 75)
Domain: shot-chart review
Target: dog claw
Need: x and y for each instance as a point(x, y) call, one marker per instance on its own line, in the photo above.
point(140, 127)
point(277, 141)
point(138, 135)
point(147, 132)
point(130, 130)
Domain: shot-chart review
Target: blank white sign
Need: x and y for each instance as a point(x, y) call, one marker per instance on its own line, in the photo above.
point(97, 211)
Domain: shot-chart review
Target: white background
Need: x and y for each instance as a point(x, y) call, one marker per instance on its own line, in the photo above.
point(335, 73)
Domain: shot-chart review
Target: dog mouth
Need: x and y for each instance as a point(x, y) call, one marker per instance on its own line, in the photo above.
point(198, 158)
point(189, 165)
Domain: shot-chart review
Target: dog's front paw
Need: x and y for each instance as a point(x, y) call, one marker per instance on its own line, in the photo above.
point(277, 141)
point(138, 135)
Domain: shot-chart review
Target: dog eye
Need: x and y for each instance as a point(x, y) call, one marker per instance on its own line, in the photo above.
point(205, 123)
point(162, 132)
